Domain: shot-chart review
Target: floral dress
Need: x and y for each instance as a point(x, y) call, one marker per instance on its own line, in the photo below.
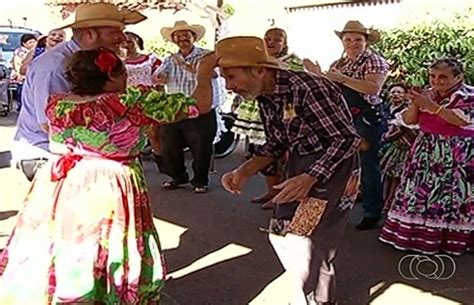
point(248, 122)
point(433, 209)
point(86, 231)
point(398, 140)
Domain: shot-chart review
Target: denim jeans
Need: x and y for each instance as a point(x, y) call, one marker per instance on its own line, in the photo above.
point(372, 201)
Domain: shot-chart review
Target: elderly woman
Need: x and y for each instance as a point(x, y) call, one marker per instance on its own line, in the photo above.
point(361, 74)
point(433, 209)
point(45, 43)
point(249, 123)
point(397, 141)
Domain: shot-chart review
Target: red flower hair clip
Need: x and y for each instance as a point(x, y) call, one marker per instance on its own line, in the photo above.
point(106, 60)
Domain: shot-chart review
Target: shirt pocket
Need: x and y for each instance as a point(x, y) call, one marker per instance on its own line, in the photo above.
point(300, 136)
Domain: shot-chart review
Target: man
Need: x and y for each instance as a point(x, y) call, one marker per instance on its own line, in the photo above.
point(306, 116)
point(95, 25)
point(178, 73)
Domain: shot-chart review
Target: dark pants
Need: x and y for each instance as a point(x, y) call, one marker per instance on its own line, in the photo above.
point(311, 259)
point(372, 189)
point(19, 90)
point(197, 134)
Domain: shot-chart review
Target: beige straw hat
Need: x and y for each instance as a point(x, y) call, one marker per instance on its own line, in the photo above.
point(197, 29)
point(354, 26)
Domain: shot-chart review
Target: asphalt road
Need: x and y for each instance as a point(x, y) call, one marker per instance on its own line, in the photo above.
point(217, 256)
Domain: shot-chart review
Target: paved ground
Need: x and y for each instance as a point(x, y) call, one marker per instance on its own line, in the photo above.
point(217, 256)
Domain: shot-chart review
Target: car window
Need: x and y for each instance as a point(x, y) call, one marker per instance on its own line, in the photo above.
point(10, 41)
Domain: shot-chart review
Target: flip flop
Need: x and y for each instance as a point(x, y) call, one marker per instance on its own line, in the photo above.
point(171, 184)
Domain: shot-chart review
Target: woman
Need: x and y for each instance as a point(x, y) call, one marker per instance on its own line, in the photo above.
point(361, 74)
point(248, 122)
point(398, 140)
point(433, 210)
point(140, 68)
point(87, 216)
point(45, 43)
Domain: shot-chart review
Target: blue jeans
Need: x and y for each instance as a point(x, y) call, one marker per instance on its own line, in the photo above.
point(371, 177)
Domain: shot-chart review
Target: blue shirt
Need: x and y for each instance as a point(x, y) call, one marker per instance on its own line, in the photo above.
point(183, 81)
point(46, 76)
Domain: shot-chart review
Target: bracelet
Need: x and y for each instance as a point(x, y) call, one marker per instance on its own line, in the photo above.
point(438, 111)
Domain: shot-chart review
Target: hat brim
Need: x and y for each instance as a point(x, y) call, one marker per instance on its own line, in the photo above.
point(372, 35)
point(198, 30)
point(129, 17)
point(232, 63)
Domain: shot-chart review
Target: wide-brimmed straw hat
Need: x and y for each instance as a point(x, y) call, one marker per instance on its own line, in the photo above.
point(244, 51)
point(354, 26)
point(102, 14)
point(198, 30)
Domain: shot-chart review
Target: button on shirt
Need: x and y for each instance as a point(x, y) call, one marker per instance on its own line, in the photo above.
point(46, 76)
point(322, 125)
point(183, 81)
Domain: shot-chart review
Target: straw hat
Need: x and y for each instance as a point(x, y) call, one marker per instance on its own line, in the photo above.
point(244, 51)
point(197, 29)
point(356, 27)
point(102, 14)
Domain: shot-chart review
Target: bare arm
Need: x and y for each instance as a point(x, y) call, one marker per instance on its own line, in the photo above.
point(28, 59)
point(255, 164)
point(371, 85)
point(410, 115)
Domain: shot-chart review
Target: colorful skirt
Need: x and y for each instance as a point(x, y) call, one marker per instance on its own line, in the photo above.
point(248, 122)
point(433, 209)
point(393, 158)
point(88, 237)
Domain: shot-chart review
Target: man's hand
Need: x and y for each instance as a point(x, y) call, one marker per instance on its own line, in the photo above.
point(234, 181)
point(293, 189)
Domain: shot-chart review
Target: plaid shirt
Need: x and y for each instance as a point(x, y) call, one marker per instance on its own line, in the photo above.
point(183, 81)
point(323, 123)
point(359, 67)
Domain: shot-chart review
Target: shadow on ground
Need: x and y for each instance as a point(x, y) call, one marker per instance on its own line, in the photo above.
point(216, 219)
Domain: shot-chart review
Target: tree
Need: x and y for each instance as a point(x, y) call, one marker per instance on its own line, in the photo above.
point(411, 48)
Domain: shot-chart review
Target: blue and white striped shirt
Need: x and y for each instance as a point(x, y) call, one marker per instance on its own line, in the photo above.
point(181, 80)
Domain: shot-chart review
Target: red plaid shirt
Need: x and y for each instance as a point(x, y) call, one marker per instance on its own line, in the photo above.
point(323, 123)
point(359, 67)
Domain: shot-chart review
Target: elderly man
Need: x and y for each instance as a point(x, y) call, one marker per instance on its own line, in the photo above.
point(306, 116)
point(178, 73)
point(95, 25)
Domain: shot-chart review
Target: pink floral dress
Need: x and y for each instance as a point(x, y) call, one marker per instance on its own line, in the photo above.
point(86, 231)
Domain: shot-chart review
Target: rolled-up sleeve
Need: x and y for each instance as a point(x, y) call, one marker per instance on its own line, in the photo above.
point(331, 122)
point(45, 84)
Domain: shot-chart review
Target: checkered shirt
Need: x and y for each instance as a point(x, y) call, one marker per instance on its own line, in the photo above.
point(359, 67)
point(323, 123)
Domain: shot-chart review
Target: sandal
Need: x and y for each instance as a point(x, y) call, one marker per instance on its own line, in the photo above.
point(200, 189)
point(171, 184)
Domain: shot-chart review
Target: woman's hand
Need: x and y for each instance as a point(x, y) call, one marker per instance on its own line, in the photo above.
point(312, 67)
point(335, 75)
point(422, 100)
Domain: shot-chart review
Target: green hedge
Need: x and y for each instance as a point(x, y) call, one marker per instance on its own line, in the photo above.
point(411, 49)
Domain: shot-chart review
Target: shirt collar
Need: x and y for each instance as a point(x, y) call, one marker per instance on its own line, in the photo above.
point(73, 45)
point(194, 52)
